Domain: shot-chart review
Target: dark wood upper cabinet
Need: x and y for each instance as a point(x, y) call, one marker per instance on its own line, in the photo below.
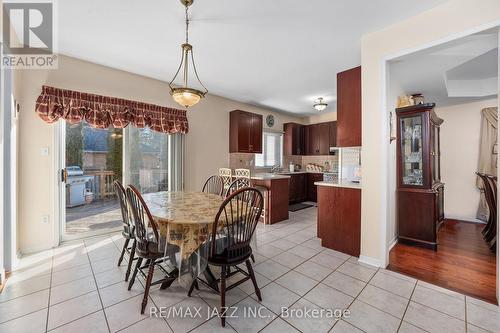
point(349, 108)
point(245, 132)
point(315, 139)
point(318, 138)
point(312, 139)
point(324, 138)
point(333, 134)
point(293, 139)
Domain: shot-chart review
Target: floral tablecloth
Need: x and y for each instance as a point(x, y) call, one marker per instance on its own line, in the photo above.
point(186, 219)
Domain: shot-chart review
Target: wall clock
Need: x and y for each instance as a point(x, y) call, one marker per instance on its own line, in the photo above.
point(270, 120)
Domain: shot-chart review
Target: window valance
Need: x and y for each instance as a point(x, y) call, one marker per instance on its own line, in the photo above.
point(103, 111)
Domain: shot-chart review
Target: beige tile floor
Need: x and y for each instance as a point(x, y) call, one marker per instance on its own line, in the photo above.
point(78, 288)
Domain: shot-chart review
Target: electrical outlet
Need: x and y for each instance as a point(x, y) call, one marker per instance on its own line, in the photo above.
point(44, 151)
point(45, 219)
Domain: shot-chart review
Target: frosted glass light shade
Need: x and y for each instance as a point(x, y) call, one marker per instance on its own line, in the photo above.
point(186, 96)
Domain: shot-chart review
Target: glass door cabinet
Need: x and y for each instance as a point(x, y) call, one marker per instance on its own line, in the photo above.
point(420, 190)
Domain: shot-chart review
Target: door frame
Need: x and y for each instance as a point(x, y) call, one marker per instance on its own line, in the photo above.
point(60, 190)
point(390, 165)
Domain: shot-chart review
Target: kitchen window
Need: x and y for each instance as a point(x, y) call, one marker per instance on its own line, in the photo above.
point(272, 150)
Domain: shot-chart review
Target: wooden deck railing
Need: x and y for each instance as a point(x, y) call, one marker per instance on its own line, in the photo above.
point(102, 184)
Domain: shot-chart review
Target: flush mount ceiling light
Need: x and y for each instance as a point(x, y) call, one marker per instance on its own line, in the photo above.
point(319, 104)
point(185, 95)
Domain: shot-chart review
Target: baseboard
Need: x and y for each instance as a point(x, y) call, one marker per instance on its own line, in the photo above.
point(2, 278)
point(371, 261)
point(393, 243)
point(32, 250)
point(463, 218)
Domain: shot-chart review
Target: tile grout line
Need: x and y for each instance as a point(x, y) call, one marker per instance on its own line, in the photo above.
point(97, 287)
point(356, 298)
point(408, 305)
point(249, 296)
point(465, 305)
point(50, 292)
point(303, 296)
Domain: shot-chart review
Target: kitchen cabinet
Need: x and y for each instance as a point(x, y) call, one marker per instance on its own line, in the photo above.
point(324, 138)
point(293, 139)
point(317, 138)
point(420, 192)
point(339, 219)
point(298, 191)
point(333, 134)
point(312, 140)
point(245, 132)
point(312, 193)
point(349, 108)
point(278, 197)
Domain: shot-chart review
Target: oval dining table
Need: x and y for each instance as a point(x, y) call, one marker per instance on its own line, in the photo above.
point(185, 219)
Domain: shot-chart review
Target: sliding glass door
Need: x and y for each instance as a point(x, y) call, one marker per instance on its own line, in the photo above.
point(146, 159)
point(92, 159)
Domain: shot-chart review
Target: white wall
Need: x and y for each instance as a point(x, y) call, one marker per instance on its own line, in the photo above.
point(460, 134)
point(394, 90)
point(207, 143)
point(451, 20)
point(321, 117)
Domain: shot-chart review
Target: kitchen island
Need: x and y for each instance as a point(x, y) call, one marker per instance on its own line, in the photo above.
point(278, 187)
point(339, 216)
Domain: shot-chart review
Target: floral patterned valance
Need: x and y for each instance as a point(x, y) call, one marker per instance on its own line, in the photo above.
point(103, 111)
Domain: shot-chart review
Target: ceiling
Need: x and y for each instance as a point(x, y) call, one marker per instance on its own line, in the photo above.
point(459, 71)
point(280, 54)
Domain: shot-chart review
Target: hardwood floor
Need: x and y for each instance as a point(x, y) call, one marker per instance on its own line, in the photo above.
point(463, 261)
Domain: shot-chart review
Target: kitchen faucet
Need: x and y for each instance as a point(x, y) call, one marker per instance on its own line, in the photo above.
point(275, 168)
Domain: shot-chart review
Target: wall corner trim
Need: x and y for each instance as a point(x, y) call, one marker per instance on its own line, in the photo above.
point(371, 261)
point(392, 243)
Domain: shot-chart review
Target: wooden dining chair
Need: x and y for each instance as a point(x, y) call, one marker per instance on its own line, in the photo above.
point(229, 244)
point(128, 228)
point(214, 185)
point(149, 246)
point(236, 185)
point(490, 193)
point(227, 176)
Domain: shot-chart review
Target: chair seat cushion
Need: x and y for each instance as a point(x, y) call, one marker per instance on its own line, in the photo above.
point(158, 250)
point(225, 258)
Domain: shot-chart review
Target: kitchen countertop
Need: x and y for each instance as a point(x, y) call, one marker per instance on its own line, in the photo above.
point(342, 183)
point(301, 172)
point(268, 176)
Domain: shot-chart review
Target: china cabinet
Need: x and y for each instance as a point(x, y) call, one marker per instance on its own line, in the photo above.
point(420, 192)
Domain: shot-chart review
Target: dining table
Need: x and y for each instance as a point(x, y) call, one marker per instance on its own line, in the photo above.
point(186, 221)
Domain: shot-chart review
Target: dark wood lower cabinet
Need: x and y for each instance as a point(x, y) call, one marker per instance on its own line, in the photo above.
point(278, 198)
point(312, 192)
point(298, 190)
point(420, 213)
point(339, 219)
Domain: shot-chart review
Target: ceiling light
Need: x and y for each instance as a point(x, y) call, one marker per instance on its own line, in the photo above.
point(319, 104)
point(185, 95)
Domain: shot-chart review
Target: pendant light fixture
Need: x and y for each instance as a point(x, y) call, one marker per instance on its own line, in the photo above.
point(185, 95)
point(319, 104)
